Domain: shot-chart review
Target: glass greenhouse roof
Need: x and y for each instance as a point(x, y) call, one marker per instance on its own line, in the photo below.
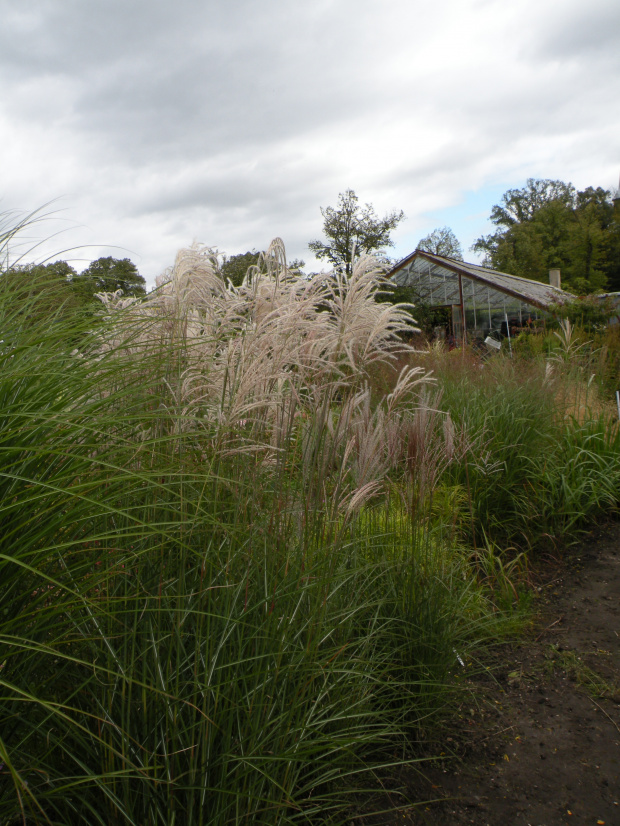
point(435, 280)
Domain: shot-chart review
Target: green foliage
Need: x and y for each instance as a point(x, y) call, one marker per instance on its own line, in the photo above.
point(528, 344)
point(63, 294)
point(606, 345)
point(573, 665)
point(442, 241)
point(61, 288)
point(236, 267)
point(611, 253)
point(581, 477)
point(108, 275)
point(61, 271)
point(54, 281)
point(521, 205)
point(548, 224)
point(543, 461)
point(352, 230)
point(590, 312)
point(198, 624)
point(189, 633)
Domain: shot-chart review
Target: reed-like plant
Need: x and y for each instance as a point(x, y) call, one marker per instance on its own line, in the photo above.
point(216, 602)
point(545, 453)
point(233, 580)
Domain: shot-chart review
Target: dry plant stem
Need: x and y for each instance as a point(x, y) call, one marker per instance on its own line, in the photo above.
point(611, 720)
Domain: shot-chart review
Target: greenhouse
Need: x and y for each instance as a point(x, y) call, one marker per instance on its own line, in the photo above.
point(471, 299)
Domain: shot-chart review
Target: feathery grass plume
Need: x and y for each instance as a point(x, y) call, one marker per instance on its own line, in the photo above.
point(276, 337)
point(569, 345)
point(364, 330)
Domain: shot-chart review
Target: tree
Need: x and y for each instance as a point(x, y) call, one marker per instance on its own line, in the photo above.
point(235, 267)
point(61, 271)
point(46, 293)
point(352, 230)
point(106, 275)
point(519, 205)
point(548, 224)
point(296, 265)
point(611, 251)
point(442, 241)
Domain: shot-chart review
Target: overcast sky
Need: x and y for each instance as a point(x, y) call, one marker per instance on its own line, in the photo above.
point(154, 123)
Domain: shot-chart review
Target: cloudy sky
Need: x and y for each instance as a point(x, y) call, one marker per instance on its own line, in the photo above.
point(154, 123)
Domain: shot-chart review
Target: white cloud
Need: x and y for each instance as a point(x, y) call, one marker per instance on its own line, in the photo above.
point(162, 122)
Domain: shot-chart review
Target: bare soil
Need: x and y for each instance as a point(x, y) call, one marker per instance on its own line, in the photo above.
point(536, 740)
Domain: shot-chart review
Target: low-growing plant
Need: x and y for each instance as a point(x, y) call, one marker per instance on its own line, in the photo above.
point(572, 664)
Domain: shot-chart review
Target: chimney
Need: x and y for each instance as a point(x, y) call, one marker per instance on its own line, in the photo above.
point(554, 279)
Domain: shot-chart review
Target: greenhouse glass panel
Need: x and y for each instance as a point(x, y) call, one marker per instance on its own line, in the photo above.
point(491, 300)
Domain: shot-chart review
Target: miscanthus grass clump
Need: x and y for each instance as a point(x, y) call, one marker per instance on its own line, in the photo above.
point(229, 588)
point(546, 462)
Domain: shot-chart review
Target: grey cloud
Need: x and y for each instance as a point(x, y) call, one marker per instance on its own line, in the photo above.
point(234, 121)
point(257, 190)
point(158, 78)
point(583, 31)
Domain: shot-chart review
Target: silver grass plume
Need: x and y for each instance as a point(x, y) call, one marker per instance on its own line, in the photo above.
point(281, 358)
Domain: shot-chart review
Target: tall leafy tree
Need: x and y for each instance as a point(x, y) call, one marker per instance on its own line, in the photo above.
point(47, 294)
point(110, 274)
point(352, 230)
point(60, 271)
point(549, 224)
point(611, 256)
point(519, 205)
point(442, 241)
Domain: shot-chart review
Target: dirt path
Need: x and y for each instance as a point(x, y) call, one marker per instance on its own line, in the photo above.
point(540, 745)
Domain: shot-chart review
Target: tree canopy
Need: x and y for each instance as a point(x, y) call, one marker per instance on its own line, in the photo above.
point(235, 267)
point(110, 274)
point(52, 285)
point(442, 241)
point(549, 224)
point(61, 291)
point(352, 230)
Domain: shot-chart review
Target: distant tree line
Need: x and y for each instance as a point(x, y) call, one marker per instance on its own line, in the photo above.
point(62, 287)
point(545, 225)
